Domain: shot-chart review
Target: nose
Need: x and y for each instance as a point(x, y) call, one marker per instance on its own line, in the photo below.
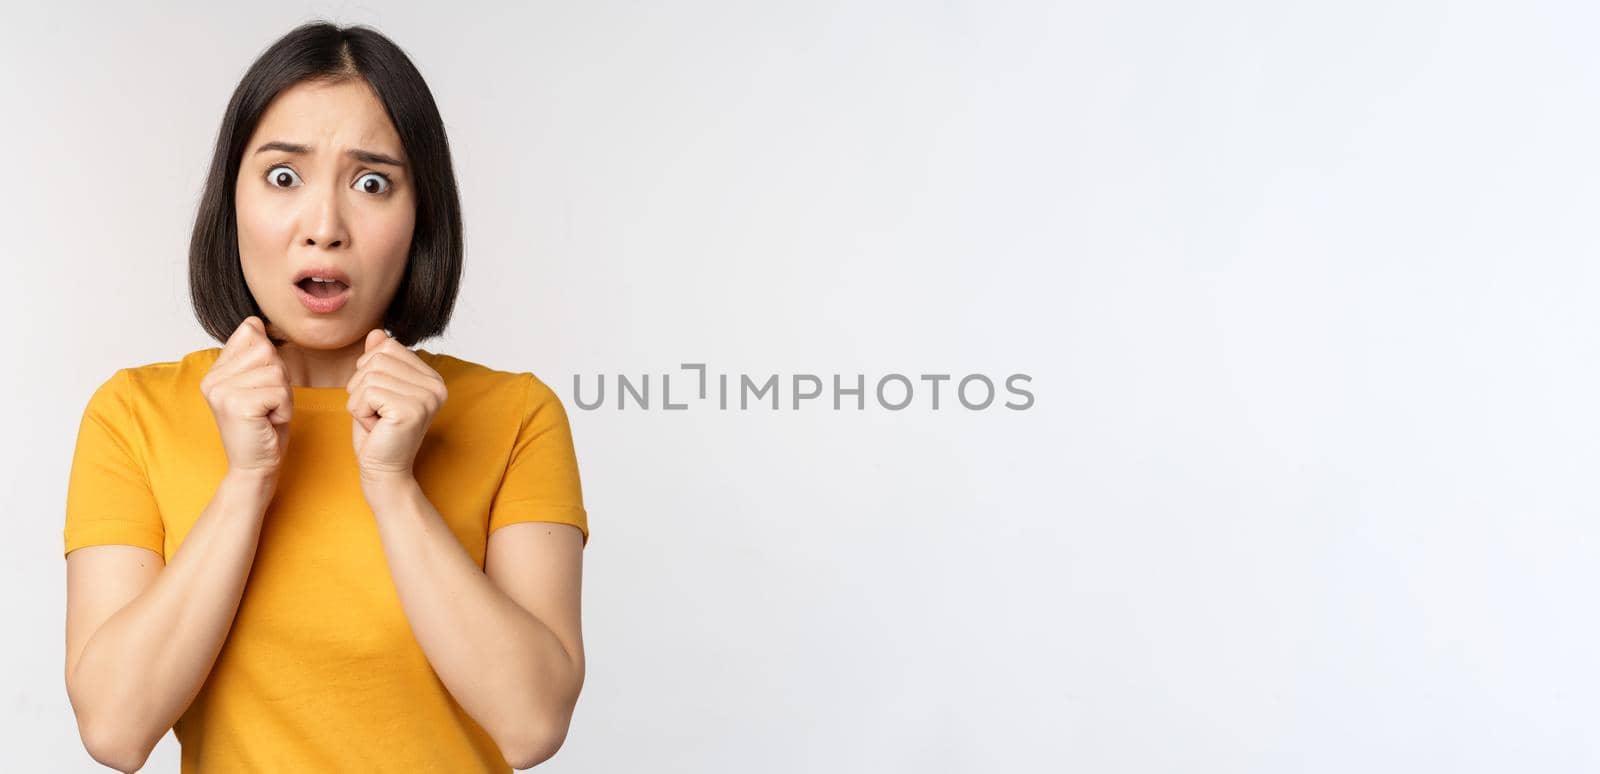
point(323, 221)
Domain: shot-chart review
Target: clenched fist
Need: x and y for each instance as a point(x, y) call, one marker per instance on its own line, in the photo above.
point(393, 397)
point(251, 397)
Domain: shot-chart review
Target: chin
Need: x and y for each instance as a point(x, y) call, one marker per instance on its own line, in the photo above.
point(319, 334)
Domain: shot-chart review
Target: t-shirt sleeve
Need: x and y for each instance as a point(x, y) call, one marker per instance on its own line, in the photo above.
point(541, 479)
point(109, 500)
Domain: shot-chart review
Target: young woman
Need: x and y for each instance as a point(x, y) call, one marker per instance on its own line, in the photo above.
point(315, 548)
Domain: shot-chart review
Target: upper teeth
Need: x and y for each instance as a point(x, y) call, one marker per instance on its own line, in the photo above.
point(322, 279)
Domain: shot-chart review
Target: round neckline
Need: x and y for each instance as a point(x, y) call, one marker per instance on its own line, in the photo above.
point(320, 397)
point(325, 398)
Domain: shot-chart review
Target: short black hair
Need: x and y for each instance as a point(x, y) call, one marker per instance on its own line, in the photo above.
point(320, 51)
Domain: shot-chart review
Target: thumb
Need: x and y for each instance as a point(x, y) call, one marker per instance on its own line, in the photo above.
point(375, 337)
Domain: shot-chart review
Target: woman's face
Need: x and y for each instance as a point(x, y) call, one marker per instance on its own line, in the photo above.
point(323, 189)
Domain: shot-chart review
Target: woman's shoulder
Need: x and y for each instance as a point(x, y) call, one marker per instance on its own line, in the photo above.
point(457, 370)
point(133, 388)
point(151, 374)
point(469, 377)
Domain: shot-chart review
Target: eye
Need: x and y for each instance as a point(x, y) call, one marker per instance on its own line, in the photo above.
point(282, 177)
point(373, 183)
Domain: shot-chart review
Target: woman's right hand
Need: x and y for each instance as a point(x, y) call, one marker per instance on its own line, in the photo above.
point(251, 397)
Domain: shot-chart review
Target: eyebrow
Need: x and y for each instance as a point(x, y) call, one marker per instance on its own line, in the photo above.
point(365, 156)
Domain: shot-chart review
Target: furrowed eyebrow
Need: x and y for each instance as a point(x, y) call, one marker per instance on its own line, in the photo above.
point(364, 156)
point(368, 157)
point(287, 147)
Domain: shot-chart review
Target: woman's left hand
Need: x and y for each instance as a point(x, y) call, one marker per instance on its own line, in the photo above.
point(393, 397)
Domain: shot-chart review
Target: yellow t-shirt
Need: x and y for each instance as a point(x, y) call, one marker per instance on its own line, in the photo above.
point(320, 671)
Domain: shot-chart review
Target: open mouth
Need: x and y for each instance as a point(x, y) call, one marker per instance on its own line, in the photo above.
point(319, 289)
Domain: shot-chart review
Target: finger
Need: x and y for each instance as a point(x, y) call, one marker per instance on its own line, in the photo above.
point(391, 397)
point(272, 402)
point(252, 352)
point(387, 345)
point(230, 348)
point(267, 375)
point(401, 386)
point(392, 348)
point(264, 375)
point(385, 373)
point(421, 392)
point(243, 352)
point(375, 337)
point(277, 400)
point(403, 363)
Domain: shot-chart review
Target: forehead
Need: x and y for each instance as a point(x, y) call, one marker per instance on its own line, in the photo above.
point(338, 115)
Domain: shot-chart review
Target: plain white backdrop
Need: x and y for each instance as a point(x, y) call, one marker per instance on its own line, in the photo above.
point(1308, 293)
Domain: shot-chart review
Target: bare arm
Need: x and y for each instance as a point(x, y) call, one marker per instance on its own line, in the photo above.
point(506, 643)
point(141, 638)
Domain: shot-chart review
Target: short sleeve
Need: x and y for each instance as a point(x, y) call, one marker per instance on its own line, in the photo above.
point(541, 478)
point(109, 500)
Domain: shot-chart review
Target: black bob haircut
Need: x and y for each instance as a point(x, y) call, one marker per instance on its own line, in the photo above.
point(319, 51)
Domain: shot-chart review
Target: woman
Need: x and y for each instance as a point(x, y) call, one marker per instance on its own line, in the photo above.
point(315, 548)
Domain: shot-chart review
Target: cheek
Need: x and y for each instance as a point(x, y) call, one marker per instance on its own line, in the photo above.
point(260, 226)
point(387, 233)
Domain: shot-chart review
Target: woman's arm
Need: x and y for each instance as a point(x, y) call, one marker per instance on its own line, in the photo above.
point(515, 668)
point(141, 638)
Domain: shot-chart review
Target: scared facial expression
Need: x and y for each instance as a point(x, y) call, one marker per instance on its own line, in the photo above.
point(323, 193)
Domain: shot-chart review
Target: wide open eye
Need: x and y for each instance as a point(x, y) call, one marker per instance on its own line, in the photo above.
point(282, 177)
point(373, 183)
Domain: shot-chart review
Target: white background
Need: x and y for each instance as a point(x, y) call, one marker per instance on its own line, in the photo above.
point(1308, 293)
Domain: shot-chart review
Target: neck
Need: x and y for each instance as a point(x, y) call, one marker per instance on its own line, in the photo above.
point(320, 367)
